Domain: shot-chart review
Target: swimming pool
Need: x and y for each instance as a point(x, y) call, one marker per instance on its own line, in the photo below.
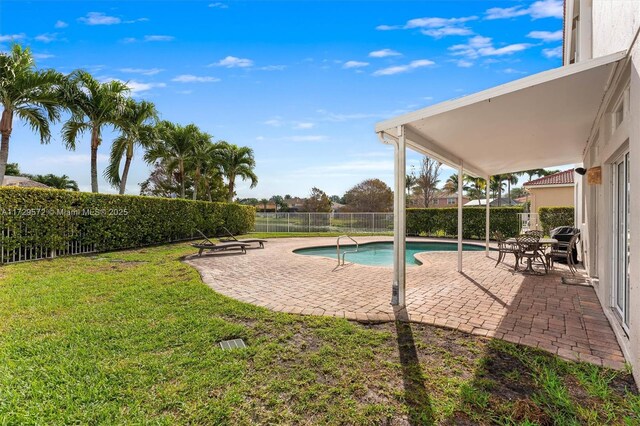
point(381, 253)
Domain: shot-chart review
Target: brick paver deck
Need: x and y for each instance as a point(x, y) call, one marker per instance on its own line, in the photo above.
point(537, 311)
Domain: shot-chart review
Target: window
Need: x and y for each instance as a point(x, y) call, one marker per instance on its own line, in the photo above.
point(451, 201)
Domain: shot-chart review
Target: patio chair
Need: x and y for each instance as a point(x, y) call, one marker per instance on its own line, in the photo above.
point(535, 233)
point(231, 238)
point(529, 249)
point(207, 244)
point(504, 248)
point(564, 250)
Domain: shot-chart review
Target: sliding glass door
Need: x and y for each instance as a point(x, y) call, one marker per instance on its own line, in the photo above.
point(622, 241)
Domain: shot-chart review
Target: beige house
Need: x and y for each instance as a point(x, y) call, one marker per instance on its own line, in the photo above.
point(556, 190)
point(22, 182)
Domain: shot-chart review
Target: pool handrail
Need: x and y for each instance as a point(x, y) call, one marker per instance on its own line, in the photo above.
point(343, 254)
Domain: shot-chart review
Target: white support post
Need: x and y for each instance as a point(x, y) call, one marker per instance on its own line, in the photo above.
point(487, 217)
point(460, 186)
point(399, 223)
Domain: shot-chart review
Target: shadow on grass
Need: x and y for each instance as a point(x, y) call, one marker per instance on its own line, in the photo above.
point(413, 377)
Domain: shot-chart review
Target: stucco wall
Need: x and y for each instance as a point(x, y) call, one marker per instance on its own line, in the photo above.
point(615, 22)
point(551, 197)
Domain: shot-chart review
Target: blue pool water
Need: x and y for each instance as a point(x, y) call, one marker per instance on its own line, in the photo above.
point(381, 253)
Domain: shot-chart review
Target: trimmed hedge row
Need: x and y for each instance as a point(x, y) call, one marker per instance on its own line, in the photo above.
point(51, 218)
point(443, 222)
point(552, 217)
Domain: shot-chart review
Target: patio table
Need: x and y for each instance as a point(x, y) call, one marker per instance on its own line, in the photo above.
point(543, 242)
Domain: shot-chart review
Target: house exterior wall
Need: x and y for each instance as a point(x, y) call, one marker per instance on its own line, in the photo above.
point(560, 196)
point(615, 24)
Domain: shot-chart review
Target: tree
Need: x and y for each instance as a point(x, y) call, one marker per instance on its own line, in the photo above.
point(174, 148)
point(201, 159)
point(264, 203)
point(236, 162)
point(410, 182)
point(278, 200)
point(31, 95)
point(318, 201)
point(451, 185)
point(138, 129)
point(371, 195)
point(58, 182)
point(428, 179)
point(162, 182)
point(511, 179)
point(496, 186)
point(476, 188)
point(12, 169)
point(93, 106)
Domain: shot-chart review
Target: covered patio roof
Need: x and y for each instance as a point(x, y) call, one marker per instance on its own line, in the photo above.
point(538, 121)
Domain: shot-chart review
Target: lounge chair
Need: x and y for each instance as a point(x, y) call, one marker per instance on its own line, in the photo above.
point(231, 238)
point(209, 245)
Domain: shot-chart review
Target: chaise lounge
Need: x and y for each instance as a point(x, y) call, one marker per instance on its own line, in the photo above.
point(231, 238)
point(209, 245)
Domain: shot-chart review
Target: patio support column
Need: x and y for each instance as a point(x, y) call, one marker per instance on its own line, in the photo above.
point(399, 221)
point(460, 186)
point(487, 225)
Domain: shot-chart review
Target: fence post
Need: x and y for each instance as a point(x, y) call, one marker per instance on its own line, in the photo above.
point(309, 223)
point(267, 221)
point(373, 223)
point(288, 223)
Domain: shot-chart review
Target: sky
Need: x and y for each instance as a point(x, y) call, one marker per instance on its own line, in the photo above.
point(300, 82)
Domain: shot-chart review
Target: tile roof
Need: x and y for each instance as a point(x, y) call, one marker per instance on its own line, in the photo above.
point(560, 178)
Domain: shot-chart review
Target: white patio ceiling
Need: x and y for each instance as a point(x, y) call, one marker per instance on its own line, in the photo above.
point(539, 121)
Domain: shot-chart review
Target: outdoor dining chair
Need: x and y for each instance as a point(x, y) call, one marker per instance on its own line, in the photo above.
point(529, 249)
point(564, 250)
point(504, 248)
point(535, 233)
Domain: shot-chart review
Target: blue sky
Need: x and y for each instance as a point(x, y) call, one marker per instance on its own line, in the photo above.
point(300, 82)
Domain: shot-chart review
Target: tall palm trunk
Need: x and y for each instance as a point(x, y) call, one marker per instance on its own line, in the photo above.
point(6, 125)
point(208, 188)
point(196, 183)
point(95, 142)
point(125, 171)
point(509, 189)
point(231, 188)
point(181, 169)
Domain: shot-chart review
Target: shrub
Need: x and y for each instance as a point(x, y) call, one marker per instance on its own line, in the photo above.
point(552, 217)
point(443, 222)
point(43, 219)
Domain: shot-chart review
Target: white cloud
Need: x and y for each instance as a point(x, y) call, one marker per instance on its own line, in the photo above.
point(309, 138)
point(537, 10)
point(233, 62)
point(47, 37)
point(137, 87)
point(397, 69)
point(383, 53)
point(447, 31)
point(61, 24)
point(218, 5)
point(273, 68)
point(304, 126)
point(12, 37)
point(462, 63)
point(546, 35)
point(158, 38)
point(435, 27)
point(555, 52)
point(274, 122)
point(43, 56)
point(483, 46)
point(188, 78)
point(355, 64)
point(143, 71)
point(70, 159)
point(99, 18)
point(513, 71)
point(129, 40)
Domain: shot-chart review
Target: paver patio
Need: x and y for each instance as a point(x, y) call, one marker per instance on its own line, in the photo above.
point(538, 311)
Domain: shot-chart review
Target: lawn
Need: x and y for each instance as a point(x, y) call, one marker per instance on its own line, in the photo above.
point(131, 337)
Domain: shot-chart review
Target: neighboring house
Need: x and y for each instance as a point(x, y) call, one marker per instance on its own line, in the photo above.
point(587, 111)
point(446, 199)
point(493, 202)
point(294, 204)
point(22, 182)
point(556, 190)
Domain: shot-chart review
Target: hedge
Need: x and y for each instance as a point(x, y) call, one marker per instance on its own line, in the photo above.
point(443, 222)
point(33, 217)
point(552, 217)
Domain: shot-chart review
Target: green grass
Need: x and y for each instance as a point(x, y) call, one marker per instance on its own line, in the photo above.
point(131, 337)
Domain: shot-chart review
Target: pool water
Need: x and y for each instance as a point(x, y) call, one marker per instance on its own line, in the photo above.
point(381, 253)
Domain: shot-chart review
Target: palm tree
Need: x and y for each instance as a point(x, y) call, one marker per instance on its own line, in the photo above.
point(476, 187)
point(496, 186)
point(202, 158)
point(410, 181)
point(58, 182)
point(451, 185)
point(93, 105)
point(264, 203)
point(31, 95)
point(512, 179)
point(174, 148)
point(236, 162)
point(137, 127)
